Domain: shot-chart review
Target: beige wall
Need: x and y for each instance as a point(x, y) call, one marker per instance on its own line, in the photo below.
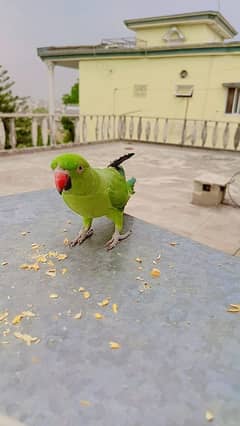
point(194, 33)
point(107, 86)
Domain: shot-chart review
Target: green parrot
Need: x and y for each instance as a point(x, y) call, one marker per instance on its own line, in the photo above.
point(92, 192)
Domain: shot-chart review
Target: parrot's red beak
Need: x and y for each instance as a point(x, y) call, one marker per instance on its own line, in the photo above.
point(62, 181)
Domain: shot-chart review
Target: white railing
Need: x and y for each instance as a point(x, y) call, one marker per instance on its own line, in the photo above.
point(45, 130)
point(196, 133)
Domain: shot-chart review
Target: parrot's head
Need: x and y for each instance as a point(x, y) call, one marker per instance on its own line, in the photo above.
point(68, 169)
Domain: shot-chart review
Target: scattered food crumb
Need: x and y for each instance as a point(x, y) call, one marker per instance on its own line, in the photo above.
point(86, 295)
point(64, 270)
point(25, 314)
point(42, 258)
point(114, 345)
point(61, 256)
point(98, 316)
point(78, 316)
point(234, 308)
point(27, 338)
point(81, 289)
point(66, 242)
point(173, 244)
point(147, 285)
point(155, 272)
point(52, 254)
point(85, 403)
point(104, 302)
point(115, 308)
point(30, 267)
point(138, 259)
point(53, 296)
point(209, 416)
point(35, 246)
point(4, 263)
point(51, 273)
point(3, 316)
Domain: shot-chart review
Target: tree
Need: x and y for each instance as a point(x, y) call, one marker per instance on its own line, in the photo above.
point(10, 103)
point(71, 98)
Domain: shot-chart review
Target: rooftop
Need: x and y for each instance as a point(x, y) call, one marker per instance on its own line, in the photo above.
point(132, 46)
point(208, 16)
point(65, 53)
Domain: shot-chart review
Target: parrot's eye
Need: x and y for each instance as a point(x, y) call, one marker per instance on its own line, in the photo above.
point(79, 169)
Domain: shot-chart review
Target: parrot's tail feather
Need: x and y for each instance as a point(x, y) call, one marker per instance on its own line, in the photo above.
point(131, 182)
point(116, 163)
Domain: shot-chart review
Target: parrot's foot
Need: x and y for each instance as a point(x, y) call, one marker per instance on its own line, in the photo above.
point(116, 238)
point(82, 236)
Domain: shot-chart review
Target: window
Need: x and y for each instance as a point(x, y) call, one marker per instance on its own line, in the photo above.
point(140, 90)
point(233, 99)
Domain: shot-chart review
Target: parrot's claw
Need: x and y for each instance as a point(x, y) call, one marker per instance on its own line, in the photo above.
point(116, 238)
point(82, 236)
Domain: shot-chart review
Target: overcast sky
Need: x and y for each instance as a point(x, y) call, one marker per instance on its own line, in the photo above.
point(28, 24)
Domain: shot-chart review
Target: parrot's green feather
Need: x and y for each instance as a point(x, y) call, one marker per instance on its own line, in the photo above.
point(95, 192)
point(68, 162)
point(131, 182)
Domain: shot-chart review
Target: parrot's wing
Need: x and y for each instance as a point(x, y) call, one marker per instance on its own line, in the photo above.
point(118, 191)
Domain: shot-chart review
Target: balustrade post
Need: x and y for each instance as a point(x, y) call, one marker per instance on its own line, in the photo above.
point(204, 133)
point(165, 131)
point(237, 137)
point(44, 131)
point(34, 131)
point(226, 135)
point(2, 135)
point(77, 130)
point(12, 135)
point(194, 133)
point(139, 128)
point(156, 130)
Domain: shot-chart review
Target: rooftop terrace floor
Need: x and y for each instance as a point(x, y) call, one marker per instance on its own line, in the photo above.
point(163, 191)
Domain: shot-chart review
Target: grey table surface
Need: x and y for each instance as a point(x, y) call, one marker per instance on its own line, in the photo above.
point(179, 350)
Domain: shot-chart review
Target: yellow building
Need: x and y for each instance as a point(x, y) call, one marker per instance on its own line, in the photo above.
point(178, 67)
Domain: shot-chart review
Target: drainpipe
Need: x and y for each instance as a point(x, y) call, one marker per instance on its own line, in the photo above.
point(185, 120)
point(114, 99)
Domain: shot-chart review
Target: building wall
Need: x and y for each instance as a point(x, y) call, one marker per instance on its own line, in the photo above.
point(198, 33)
point(107, 86)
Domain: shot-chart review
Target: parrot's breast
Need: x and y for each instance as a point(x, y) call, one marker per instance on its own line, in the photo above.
point(96, 205)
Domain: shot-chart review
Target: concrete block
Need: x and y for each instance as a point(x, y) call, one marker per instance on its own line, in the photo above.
point(209, 190)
